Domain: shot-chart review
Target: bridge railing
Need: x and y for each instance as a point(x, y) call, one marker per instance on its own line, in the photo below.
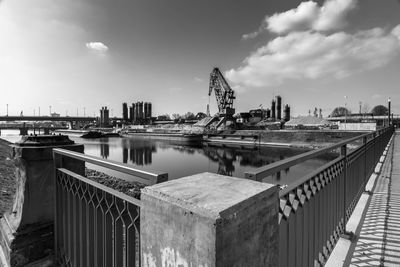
point(96, 225)
point(314, 209)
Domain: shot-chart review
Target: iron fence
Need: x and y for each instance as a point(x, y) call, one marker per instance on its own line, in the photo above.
point(94, 224)
point(313, 210)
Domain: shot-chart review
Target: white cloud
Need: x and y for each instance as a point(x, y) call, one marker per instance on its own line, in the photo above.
point(313, 54)
point(97, 46)
point(307, 16)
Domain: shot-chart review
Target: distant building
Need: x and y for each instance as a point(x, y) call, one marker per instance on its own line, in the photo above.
point(104, 117)
point(125, 111)
point(54, 114)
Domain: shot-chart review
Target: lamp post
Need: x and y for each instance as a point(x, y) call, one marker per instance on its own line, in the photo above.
point(389, 112)
point(345, 111)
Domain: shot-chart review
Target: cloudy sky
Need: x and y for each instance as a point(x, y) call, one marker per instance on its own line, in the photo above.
point(81, 54)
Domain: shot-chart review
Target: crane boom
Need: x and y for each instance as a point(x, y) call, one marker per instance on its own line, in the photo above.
point(223, 93)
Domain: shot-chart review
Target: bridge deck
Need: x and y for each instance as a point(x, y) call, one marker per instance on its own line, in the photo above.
point(378, 243)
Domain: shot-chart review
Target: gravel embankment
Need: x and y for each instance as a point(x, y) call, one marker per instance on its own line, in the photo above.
point(129, 188)
point(7, 178)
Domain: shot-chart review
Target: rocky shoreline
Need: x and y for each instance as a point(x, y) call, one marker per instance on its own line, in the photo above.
point(129, 188)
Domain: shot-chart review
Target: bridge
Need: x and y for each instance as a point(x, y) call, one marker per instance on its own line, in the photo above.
point(213, 218)
point(47, 118)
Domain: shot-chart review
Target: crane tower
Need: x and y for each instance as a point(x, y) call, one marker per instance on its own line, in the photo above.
point(223, 93)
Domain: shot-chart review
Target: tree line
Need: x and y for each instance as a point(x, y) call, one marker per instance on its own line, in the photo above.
point(379, 110)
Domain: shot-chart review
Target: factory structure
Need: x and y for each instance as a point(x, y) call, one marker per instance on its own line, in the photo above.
point(276, 113)
point(138, 113)
point(104, 117)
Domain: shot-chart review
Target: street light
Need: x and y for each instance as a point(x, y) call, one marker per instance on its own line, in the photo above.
point(389, 106)
point(345, 111)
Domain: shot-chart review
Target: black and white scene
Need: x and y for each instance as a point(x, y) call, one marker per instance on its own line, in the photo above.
point(149, 133)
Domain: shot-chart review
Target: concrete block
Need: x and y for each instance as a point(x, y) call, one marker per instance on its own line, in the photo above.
point(26, 232)
point(209, 220)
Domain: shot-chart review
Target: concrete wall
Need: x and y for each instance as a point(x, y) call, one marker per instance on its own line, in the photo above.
point(301, 138)
point(370, 126)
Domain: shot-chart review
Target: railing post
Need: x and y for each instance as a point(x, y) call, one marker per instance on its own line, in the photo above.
point(209, 220)
point(345, 234)
point(365, 141)
point(26, 231)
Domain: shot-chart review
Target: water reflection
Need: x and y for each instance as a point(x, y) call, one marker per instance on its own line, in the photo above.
point(182, 160)
point(245, 156)
point(104, 150)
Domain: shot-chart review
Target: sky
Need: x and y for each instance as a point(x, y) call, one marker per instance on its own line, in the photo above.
point(77, 56)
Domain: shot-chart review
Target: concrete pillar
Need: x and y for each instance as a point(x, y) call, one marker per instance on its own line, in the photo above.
point(26, 232)
point(209, 220)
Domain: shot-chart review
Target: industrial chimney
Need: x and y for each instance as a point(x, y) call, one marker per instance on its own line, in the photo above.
point(278, 107)
point(287, 113)
point(273, 109)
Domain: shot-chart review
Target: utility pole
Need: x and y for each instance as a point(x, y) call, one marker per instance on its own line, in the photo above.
point(7, 110)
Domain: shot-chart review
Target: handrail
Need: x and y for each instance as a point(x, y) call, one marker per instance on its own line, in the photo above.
point(277, 166)
point(114, 165)
point(307, 177)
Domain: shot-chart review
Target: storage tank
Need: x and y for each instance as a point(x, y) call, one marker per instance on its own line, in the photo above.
point(273, 116)
point(278, 107)
point(287, 112)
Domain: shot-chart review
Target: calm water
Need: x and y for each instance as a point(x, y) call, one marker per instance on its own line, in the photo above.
point(182, 160)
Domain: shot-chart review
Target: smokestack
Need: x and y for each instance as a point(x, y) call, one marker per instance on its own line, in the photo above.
point(273, 109)
point(146, 110)
point(149, 111)
point(278, 107)
point(287, 112)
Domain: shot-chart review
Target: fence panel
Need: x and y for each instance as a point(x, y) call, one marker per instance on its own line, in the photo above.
point(313, 210)
point(94, 224)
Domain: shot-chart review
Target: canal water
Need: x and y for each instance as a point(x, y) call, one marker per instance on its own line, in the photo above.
point(180, 160)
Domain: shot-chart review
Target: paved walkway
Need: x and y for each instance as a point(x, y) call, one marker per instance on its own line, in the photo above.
point(378, 243)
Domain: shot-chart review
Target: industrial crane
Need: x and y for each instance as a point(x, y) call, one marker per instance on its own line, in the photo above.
point(223, 93)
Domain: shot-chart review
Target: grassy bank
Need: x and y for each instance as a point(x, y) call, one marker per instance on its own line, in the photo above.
point(7, 177)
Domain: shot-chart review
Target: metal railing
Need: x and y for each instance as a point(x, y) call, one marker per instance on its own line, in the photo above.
point(313, 210)
point(94, 224)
